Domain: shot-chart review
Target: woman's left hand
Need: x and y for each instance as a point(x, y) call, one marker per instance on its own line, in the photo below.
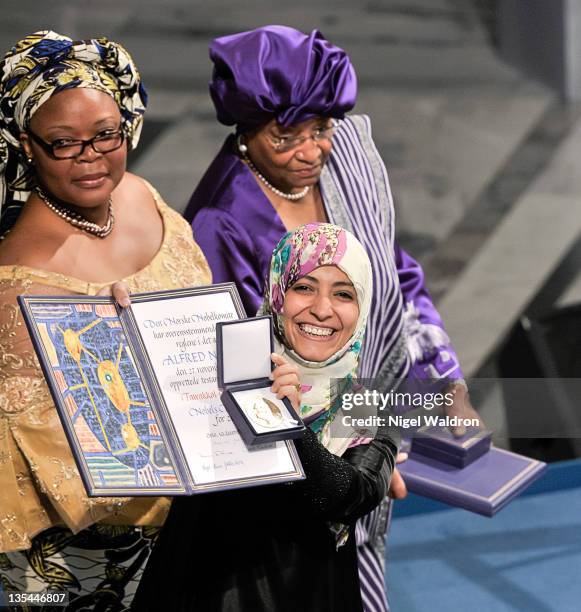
point(286, 381)
point(462, 408)
point(397, 486)
point(119, 291)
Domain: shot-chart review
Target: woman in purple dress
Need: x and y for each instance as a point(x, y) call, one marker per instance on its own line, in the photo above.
point(295, 158)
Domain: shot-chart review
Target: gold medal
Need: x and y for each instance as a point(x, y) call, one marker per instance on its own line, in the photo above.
point(264, 412)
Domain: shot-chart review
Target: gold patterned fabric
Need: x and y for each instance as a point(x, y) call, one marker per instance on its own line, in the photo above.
point(39, 483)
point(100, 567)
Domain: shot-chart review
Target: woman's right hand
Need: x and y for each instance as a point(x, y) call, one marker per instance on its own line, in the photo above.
point(286, 381)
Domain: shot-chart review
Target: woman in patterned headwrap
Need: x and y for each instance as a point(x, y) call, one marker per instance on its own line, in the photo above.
point(73, 222)
point(290, 548)
point(297, 157)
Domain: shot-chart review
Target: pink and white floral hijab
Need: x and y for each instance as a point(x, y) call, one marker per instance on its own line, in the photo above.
point(296, 255)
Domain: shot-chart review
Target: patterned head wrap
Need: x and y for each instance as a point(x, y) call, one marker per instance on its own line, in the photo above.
point(40, 66)
point(279, 72)
point(296, 255)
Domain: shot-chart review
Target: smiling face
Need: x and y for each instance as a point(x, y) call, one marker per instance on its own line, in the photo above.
point(85, 181)
point(320, 313)
point(296, 168)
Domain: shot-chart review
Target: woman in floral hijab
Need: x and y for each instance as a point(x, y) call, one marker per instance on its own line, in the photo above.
point(289, 548)
point(297, 255)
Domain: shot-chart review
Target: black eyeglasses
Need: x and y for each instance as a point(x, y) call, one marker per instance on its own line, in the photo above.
point(69, 148)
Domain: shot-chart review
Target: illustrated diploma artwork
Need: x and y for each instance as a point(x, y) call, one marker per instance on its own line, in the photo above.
point(137, 394)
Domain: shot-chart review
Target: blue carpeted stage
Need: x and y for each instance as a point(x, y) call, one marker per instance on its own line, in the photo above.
point(526, 558)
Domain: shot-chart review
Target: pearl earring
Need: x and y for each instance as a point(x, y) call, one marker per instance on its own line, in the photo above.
point(241, 146)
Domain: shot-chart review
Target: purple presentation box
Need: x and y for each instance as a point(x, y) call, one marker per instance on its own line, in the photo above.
point(244, 365)
point(485, 486)
point(438, 443)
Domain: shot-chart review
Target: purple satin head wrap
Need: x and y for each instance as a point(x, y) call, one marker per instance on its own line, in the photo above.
point(279, 72)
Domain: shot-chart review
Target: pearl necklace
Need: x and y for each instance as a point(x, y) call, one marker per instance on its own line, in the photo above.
point(77, 220)
point(287, 196)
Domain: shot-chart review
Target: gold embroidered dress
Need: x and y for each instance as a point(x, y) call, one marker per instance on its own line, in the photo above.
point(39, 483)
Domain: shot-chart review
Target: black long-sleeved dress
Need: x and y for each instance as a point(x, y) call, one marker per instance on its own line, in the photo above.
point(270, 549)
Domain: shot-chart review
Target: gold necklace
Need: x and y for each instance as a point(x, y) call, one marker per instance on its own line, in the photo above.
point(76, 219)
